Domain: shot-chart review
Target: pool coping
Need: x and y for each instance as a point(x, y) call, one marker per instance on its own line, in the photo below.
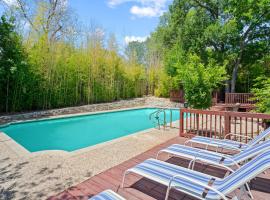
point(21, 151)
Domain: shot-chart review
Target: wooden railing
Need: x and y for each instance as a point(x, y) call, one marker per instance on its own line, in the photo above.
point(243, 98)
point(218, 124)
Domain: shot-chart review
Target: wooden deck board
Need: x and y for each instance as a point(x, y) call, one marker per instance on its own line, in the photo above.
point(138, 188)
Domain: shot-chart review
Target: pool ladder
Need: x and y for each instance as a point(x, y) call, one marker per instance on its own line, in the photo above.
point(156, 115)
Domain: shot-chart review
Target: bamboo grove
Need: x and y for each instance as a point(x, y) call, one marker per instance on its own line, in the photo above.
point(41, 74)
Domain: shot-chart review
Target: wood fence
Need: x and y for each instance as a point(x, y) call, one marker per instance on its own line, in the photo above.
point(243, 98)
point(218, 124)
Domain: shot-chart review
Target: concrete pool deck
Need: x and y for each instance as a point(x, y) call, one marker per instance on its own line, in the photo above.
point(40, 175)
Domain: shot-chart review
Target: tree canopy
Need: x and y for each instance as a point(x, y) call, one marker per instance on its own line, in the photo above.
point(15, 77)
point(262, 94)
point(228, 31)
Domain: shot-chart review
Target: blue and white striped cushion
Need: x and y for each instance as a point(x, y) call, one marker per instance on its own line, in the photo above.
point(246, 173)
point(107, 195)
point(260, 137)
point(213, 157)
point(191, 153)
point(162, 172)
point(228, 144)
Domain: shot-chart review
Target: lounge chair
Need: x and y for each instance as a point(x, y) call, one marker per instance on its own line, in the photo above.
point(229, 144)
point(197, 184)
point(218, 159)
point(107, 195)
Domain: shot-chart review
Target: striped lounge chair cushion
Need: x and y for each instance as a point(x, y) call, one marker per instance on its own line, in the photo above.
point(163, 172)
point(228, 144)
point(213, 157)
point(107, 195)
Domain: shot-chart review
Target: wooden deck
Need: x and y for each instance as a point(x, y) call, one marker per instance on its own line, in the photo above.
point(141, 188)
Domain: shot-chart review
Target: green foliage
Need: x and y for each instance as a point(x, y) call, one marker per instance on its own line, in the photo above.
point(195, 45)
point(163, 84)
point(15, 77)
point(228, 31)
point(51, 74)
point(75, 76)
point(173, 58)
point(136, 51)
point(262, 94)
point(199, 80)
point(159, 83)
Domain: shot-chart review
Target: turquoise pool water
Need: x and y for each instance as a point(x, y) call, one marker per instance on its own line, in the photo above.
point(74, 133)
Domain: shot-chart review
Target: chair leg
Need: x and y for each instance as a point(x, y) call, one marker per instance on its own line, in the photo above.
point(249, 191)
point(193, 165)
point(123, 179)
point(168, 191)
point(190, 164)
point(158, 155)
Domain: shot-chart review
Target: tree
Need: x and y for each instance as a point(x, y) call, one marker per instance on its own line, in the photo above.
point(231, 31)
point(158, 82)
point(14, 69)
point(112, 44)
point(135, 51)
point(199, 80)
point(262, 94)
point(47, 17)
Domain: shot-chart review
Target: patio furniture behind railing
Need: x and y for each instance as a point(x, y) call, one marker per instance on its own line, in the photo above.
point(218, 124)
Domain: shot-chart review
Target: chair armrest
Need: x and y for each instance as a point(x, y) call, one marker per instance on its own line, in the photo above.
point(218, 164)
point(197, 183)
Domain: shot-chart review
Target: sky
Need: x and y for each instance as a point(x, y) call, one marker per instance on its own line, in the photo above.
point(129, 20)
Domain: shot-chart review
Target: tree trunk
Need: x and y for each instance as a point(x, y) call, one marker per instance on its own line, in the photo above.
point(234, 75)
point(227, 86)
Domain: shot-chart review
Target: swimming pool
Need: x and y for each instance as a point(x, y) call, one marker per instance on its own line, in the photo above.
point(78, 132)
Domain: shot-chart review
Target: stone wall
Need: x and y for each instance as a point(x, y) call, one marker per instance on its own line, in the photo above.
point(161, 102)
point(137, 102)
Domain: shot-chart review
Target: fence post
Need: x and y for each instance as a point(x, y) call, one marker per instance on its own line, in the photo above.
point(226, 98)
point(227, 124)
point(181, 124)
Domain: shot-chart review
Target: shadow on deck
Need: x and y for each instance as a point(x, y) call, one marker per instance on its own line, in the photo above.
point(137, 187)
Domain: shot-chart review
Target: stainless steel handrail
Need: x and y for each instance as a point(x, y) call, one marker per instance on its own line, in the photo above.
point(157, 112)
